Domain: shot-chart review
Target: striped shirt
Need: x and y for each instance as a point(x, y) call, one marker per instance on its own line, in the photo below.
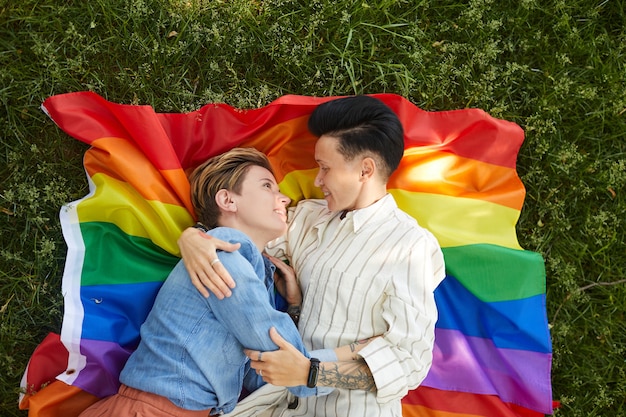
point(371, 273)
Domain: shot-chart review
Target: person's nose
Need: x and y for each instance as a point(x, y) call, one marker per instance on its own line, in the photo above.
point(318, 179)
point(284, 199)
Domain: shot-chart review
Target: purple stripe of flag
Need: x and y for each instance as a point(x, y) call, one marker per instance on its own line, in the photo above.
point(105, 361)
point(476, 365)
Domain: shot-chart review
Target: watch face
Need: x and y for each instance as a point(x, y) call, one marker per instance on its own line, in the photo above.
point(313, 371)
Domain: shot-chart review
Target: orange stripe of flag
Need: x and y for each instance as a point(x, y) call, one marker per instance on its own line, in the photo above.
point(111, 156)
point(429, 171)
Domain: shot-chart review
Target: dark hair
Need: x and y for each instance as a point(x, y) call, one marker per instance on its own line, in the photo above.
point(362, 125)
point(224, 171)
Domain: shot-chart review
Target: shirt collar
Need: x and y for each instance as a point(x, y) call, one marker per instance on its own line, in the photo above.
point(368, 215)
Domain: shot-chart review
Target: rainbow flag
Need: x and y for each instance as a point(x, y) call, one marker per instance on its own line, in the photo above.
point(457, 178)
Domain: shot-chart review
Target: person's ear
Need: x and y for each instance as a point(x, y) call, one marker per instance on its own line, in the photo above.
point(368, 168)
point(224, 200)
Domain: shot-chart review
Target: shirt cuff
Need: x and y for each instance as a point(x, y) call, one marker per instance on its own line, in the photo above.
point(324, 355)
point(388, 375)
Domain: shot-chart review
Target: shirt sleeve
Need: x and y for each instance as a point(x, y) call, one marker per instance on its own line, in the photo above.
point(400, 360)
point(249, 315)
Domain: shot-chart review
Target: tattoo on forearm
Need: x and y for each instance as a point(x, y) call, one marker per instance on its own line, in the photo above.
point(356, 346)
point(349, 375)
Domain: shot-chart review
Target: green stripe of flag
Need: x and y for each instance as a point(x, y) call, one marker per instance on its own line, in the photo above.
point(113, 257)
point(495, 273)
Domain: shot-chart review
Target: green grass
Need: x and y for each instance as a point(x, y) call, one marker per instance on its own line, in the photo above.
point(557, 68)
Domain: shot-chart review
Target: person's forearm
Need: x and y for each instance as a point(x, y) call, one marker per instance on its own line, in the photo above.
point(352, 374)
point(288, 367)
point(350, 352)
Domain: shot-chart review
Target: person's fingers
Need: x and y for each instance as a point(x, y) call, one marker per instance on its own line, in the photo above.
point(222, 278)
point(222, 245)
point(213, 282)
point(285, 270)
point(270, 257)
point(215, 290)
point(253, 355)
point(278, 262)
point(278, 339)
point(197, 282)
point(218, 281)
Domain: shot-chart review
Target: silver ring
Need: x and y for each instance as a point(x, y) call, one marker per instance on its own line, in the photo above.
point(214, 261)
point(260, 355)
point(260, 372)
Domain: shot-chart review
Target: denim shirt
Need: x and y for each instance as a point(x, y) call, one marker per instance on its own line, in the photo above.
point(191, 348)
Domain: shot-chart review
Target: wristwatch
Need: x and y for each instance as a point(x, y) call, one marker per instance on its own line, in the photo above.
point(200, 226)
point(294, 312)
point(313, 371)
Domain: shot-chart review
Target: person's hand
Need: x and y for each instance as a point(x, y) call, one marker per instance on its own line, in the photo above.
point(286, 282)
point(285, 367)
point(199, 252)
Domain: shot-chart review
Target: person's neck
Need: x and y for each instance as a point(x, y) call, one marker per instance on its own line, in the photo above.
point(369, 197)
point(258, 241)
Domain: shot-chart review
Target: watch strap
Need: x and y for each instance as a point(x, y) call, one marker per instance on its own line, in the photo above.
point(200, 226)
point(313, 373)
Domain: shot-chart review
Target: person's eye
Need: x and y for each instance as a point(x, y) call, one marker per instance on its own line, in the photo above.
point(268, 185)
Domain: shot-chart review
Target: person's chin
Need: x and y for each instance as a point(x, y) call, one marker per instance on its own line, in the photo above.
point(332, 206)
point(281, 230)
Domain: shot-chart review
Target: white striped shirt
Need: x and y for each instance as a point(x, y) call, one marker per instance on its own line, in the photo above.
point(372, 273)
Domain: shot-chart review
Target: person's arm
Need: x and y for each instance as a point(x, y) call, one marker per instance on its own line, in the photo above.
point(288, 367)
point(248, 315)
point(402, 357)
point(198, 250)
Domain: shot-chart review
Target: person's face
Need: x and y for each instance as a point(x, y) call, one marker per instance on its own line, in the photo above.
point(340, 180)
point(261, 207)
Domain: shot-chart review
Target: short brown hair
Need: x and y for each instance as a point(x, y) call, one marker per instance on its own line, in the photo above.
point(225, 171)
